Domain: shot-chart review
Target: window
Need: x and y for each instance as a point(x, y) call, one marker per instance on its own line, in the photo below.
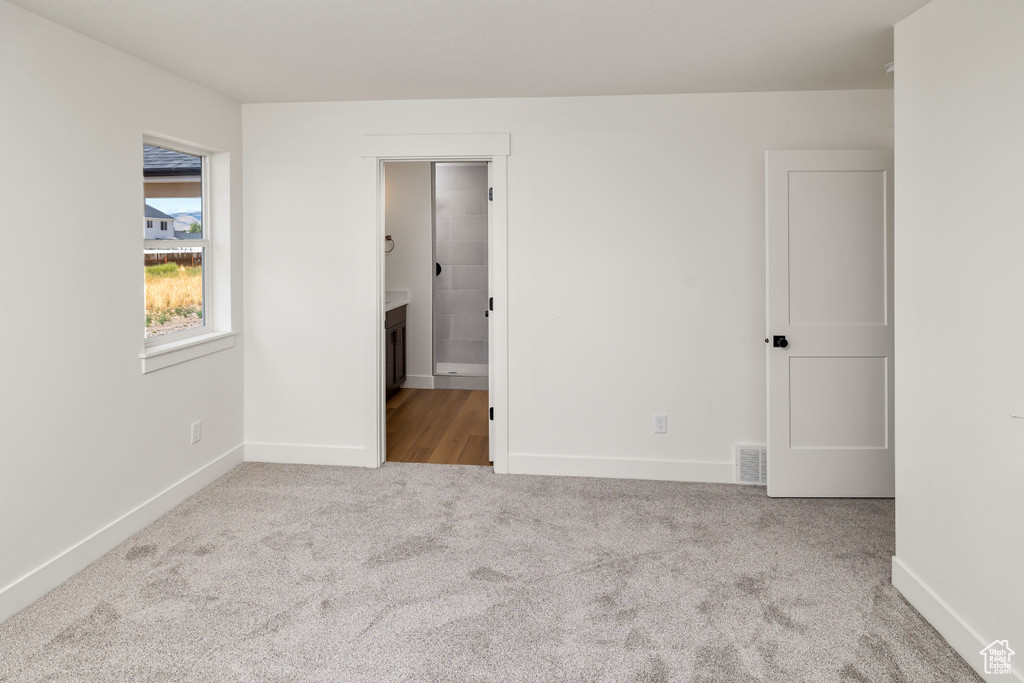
point(175, 258)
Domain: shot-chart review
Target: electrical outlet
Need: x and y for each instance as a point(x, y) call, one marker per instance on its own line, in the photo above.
point(197, 431)
point(660, 423)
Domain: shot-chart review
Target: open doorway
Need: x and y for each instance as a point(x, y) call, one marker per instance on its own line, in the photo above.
point(436, 312)
point(378, 150)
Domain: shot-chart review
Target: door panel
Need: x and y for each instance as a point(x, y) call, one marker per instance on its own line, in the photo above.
point(829, 277)
point(837, 402)
point(490, 318)
point(837, 248)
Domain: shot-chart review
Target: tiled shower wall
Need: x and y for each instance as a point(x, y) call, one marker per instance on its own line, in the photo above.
point(460, 246)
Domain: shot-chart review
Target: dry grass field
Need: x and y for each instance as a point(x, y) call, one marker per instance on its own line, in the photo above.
point(173, 293)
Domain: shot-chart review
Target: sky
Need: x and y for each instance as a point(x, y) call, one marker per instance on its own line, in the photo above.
point(175, 205)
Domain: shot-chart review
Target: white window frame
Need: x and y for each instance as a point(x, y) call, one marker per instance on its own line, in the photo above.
point(170, 349)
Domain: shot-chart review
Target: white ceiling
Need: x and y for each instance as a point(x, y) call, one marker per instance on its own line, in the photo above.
point(321, 50)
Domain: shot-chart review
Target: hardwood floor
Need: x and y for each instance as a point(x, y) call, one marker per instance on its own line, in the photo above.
point(441, 426)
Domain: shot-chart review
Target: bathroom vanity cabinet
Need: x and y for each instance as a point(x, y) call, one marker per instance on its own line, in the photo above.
point(394, 348)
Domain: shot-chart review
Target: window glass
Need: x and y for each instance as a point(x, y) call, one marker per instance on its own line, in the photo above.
point(174, 290)
point(175, 246)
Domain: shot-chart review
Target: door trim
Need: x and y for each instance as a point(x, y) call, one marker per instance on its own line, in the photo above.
point(495, 148)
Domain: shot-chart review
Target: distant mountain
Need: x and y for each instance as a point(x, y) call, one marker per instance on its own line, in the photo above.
point(182, 221)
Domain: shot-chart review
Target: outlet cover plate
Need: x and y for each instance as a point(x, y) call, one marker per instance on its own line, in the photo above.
point(660, 423)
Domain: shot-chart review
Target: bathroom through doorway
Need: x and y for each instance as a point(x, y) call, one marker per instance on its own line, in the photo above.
point(436, 311)
point(379, 153)
point(460, 274)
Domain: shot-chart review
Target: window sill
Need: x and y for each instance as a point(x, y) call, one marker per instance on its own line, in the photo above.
point(160, 356)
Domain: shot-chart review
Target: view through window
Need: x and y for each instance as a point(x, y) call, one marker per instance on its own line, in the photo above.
point(175, 247)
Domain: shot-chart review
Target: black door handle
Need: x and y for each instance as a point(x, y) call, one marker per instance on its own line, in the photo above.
point(437, 267)
point(779, 341)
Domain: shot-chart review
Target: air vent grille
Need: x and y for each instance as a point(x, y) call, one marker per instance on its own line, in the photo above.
point(751, 464)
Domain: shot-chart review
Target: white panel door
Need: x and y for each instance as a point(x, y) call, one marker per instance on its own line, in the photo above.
point(830, 331)
point(490, 318)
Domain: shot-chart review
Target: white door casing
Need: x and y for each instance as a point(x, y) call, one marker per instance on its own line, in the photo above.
point(829, 219)
point(493, 148)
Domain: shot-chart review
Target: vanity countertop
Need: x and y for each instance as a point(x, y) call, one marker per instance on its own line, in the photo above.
point(393, 298)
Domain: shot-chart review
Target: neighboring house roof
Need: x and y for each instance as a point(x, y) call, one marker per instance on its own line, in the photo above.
point(182, 235)
point(157, 213)
point(159, 162)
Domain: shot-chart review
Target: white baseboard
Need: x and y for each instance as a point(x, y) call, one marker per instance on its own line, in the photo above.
point(40, 581)
point(462, 382)
point(621, 468)
point(418, 382)
point(958, 633)
point(299, 454)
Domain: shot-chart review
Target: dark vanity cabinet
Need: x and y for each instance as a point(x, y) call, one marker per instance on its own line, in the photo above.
point(394, 348)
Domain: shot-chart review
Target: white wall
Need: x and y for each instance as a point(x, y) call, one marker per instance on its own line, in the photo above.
point(959, 357)
point(410, 265)
point(635, 259)
point(86, 438)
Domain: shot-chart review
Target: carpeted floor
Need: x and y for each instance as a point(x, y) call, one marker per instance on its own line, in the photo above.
point(448, 573)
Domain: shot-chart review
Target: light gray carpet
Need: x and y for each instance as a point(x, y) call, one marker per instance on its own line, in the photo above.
point(446, 573)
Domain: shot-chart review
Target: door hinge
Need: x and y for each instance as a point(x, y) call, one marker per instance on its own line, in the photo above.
point(490, 413)
point(490, 194)
point(490, 304)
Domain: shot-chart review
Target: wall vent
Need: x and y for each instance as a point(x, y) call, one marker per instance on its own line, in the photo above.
point(751, 464)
